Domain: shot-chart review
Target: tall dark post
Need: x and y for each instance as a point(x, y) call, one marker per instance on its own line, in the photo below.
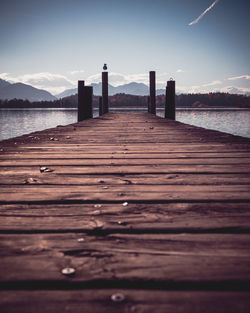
point(80, 93)
point(148, 99)
point(100, 106)
point(85, 99)
point(170, 100)
point(152, 104)
point(105, 100)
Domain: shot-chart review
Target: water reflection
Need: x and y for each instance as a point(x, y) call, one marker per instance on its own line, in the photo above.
point(18, 122)
point(236, 122)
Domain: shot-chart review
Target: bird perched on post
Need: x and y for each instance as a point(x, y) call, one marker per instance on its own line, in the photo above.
point(105, 67)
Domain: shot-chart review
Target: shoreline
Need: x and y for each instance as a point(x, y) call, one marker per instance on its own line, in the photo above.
point(131, 108)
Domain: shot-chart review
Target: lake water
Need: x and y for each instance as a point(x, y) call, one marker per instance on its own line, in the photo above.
point(16, 122)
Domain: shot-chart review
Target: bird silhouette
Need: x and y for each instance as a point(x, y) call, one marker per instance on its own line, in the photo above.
point(105, 67)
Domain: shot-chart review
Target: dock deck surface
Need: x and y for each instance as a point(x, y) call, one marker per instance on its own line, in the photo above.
point(137, 205)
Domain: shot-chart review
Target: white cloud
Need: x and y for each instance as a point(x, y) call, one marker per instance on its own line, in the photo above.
point(213, 83)
point(182, 89)
point(237, 90)
point(139, 78)
point(54, 83)
point(76, 72)
point(203, 13)
point(239, 77)
point(117, 79)
point(5, 76)
point(196, 89)
point(220, 86)
point(241, 83)
point(180, 71)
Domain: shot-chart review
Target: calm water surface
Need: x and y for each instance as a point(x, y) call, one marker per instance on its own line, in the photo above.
point(16, 122)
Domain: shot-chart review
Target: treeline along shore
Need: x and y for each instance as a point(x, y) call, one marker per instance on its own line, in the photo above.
point(209, 100)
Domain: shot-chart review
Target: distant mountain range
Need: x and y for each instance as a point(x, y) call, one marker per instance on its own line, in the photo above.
point(10, 91)
point(137, 89)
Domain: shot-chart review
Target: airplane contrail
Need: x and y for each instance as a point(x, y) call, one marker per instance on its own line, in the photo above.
point(203, 13)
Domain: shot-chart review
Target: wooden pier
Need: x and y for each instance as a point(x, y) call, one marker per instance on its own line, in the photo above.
point(125, 213)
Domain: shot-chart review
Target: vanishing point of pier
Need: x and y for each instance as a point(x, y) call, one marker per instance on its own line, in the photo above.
point(127, 212)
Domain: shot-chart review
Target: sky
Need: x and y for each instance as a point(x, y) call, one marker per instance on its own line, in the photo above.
point(50, 44)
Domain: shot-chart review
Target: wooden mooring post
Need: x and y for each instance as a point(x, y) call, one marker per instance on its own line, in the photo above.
point(152, 102)
point(148, 103)
point(170, 100)
point(85, 100)
point(100, 106)
point(105, 100)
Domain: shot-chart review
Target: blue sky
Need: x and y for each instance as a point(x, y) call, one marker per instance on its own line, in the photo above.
point(50, 44)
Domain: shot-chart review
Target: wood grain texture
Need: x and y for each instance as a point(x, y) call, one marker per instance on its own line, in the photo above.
point(217, 259)
point(136, 179)
point(131, 193)
point(124, 162)
point(130, 169)
point(124, 156)
point(107, 217)
point(161, 208)
point(136, 301)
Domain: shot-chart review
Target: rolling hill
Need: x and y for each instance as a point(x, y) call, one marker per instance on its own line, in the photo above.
point(10, 91)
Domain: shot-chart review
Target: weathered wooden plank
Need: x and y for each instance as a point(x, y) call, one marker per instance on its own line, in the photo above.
point(130, 188)
point(221, 260)
point(121, 147)
point(125, 129)
point(150, 128)
point(138, 169)
point(132, 137)
point(99, 155)
point(127, 149)
point(121, 155)
point(143, 301)
point(122, 131)
point(116, 138)
point(139, 179)
point(124, 162)
point(124, 136)
point(170, 217)
point(132, 140)
point(128, 192)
